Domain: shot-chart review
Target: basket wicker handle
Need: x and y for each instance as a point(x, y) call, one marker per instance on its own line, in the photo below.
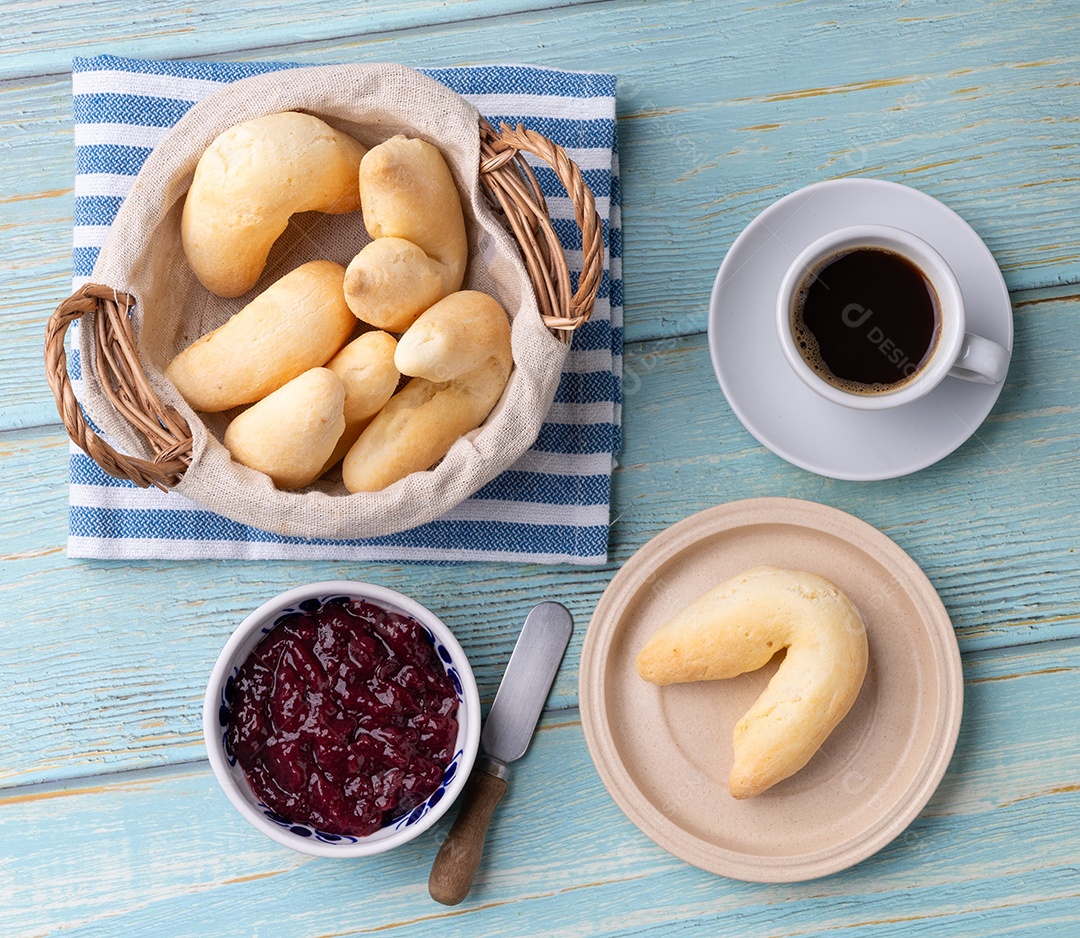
point(124, 383)
point(507, 179)
point(511, 182)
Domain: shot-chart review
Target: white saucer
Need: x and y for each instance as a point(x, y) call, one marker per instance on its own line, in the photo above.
point(788, 417)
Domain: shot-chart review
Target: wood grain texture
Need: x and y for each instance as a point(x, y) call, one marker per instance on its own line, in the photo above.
point(455, 865)
point(164, 852)
point(207, 27)
point(110, 822)
point(973, 107)
point(108, 659)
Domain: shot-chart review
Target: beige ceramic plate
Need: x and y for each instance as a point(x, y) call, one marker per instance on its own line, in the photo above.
point(664, 753)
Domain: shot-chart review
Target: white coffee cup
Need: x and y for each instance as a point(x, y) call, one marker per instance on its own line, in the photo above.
point(956, 352)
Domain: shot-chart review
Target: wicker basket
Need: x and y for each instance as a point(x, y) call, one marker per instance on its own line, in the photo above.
point(511, 190)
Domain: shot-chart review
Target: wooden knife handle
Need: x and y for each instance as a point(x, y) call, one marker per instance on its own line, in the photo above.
point(458, 859)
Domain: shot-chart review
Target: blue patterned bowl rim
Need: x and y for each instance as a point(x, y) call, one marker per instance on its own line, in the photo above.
point(303, 837)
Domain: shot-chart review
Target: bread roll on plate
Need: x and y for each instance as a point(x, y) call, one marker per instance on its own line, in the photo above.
point(737, 627)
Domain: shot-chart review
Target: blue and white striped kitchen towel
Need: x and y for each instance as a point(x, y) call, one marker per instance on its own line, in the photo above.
point(551, 507)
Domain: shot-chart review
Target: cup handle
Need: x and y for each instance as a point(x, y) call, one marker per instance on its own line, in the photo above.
point(981, 361)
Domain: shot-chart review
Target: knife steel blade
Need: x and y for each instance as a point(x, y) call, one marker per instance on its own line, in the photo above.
point(505, 737)
point(525, 684)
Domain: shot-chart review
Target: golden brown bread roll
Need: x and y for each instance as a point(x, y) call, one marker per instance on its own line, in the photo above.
point(738, 626)
point(412, 210)
point(295, 324)
point(290, 433)
point(366, 369)
point(248, 183)
point(422, 421)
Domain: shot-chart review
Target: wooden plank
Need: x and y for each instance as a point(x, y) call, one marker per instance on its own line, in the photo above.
point(46, 42)
point(998, 502)
point(164, 852)
point(723, 108)
point(36, 226)
point(852, 92)
point(106, 661)
point(977, 113)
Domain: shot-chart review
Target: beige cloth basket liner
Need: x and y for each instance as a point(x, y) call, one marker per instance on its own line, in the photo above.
point(143, 257)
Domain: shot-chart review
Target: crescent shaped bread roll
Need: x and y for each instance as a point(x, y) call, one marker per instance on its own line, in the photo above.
point(247, 184)
point(412, 210)
point(290, 433)
point(297, 323)
point(737, 627)
point(424, 419)
point(367, 371)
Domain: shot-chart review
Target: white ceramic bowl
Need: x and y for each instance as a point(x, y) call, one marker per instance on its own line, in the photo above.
point(303, 837)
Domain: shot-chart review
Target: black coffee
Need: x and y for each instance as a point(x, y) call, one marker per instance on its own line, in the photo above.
point(866, 320)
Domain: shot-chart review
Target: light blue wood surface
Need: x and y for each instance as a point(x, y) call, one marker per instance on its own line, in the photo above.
point(110, 822)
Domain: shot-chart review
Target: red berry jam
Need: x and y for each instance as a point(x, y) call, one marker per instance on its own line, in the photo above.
point(343, 717)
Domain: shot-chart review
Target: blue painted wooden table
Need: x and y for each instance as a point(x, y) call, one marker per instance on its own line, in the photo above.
point(110, 821)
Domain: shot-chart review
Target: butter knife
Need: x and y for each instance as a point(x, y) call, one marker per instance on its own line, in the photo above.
point(505, 737)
